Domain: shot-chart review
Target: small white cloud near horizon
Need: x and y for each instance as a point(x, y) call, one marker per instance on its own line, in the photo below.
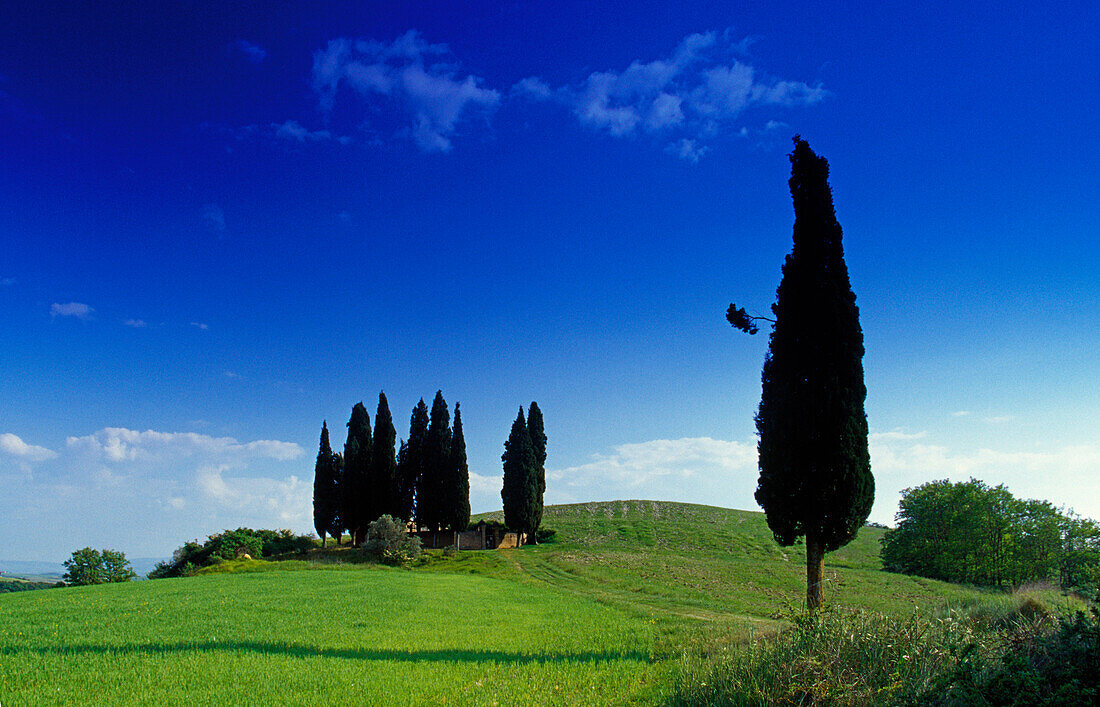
point(696, 93)
point(78, 310)
point(409, 83)
point(16, 447)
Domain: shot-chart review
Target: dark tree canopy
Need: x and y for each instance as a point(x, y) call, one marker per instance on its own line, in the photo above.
point(520, 492)
point(383, 465)
point(405, 489)
point(815, 473)
point(458, 495)
point(325, 500)
point(412, 460)
point(358, 497)
point(538, 442)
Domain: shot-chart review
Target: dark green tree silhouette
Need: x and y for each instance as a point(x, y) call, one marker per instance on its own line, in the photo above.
point(538, 442)
point(383, 465)
point(458, 495)
point(326, 507)
point(520, 492)
point(406, 491)
point(815, 472)
point(432, 493)
point(339, 525)
point(411, 466)
point(358, 494)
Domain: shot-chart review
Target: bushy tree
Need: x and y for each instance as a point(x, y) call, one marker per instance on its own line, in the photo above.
point(432, 492)
point(359, 495)
point(411, 463)
point(90, 566)
point(538, 442)
point(520, 492)
point(326, 508)
point(815, 472)
point(458, 496)
point(972, 533)
point(388, 542)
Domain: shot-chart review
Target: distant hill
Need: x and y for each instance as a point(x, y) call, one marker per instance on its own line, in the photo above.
point(52, 571)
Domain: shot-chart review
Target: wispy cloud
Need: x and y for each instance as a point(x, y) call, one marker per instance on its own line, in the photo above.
point(214, 217)
point(252, 52)
point(1064, 475)
point(135, 323)
point(200, 326)
point(696, 470)
point(408, 82)
point(694, 94)
point(293, 131)
point(79, 310)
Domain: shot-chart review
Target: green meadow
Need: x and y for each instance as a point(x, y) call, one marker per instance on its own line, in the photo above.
point(614, 611)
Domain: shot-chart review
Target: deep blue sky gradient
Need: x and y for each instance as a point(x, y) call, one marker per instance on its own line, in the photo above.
point(540, 257)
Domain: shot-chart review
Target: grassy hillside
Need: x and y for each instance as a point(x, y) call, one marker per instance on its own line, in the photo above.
point(605, 615)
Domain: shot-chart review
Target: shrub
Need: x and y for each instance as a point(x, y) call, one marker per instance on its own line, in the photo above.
point(545, 535)
point(388, 542)
point(228, 545)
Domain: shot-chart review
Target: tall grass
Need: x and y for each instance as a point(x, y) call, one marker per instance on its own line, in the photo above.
point(860, 657)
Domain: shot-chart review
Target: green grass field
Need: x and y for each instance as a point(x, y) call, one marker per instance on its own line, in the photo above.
point(607, 614)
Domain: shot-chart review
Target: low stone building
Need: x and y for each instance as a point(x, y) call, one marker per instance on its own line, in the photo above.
point(482, 536)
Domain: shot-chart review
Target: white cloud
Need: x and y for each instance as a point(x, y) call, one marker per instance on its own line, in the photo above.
point(409, 82)
point(1064, 476)
point(135, 323)
point(696, 470)
point(686, 149)
point(895, 435)
point(202, 326)
point(293, 131)
point(960, 413)
point(254, 53)
point(71, 309)
point(16, 447)
point(697, 92)
point(146, 492)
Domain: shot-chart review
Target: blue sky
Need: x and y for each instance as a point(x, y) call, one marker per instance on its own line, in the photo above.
point(221, 225)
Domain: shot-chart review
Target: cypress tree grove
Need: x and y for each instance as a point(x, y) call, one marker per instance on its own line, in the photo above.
point(538, 442)
point(358, 497)
point(432, 492)
point(325, 508)
point(458, 496)
point(815, 472)
point(520, 486)
point(412, 461)
point(383, 465)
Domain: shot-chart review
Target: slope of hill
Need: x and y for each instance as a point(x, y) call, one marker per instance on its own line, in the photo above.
point(607, 614)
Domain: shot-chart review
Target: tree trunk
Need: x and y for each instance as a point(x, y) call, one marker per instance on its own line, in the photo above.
point(815, 575)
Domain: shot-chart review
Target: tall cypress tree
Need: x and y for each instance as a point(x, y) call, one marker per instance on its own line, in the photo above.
point(815, 472)
point(538, 442)
point(432, 492)
point(325, 503)
point(359, 497)
point(411, 468)
point(383, 463)
point(458, 496)
point(403, 502)
point(520, 485)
